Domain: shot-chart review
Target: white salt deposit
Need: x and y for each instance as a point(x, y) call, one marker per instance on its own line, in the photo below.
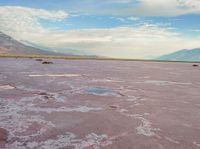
point(6, 87)
point(196, 144)
point(13, 119)
point(71, 140)
point(55, 75)
point(172, 140)
point(145, 127)
point(82, 109)
point(132, 98)
point(160, 82)
point(105, 80)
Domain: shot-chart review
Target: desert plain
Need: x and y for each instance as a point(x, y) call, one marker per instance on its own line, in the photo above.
point(97, 104)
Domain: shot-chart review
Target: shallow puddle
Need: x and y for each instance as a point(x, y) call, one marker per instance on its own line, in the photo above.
point(99, 91)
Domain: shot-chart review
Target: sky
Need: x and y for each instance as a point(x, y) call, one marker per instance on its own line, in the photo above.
point(139, 29)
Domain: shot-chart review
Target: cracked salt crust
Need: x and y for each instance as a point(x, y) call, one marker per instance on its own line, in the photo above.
point(82, 109)
point(172, 140)
point(16, 123)
point(145, 127)
point(135, 100)
point(71, 140)
point(12, 119)
point(55, 96)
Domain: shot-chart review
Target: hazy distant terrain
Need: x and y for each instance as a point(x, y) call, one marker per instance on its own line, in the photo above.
point(183, 55)
point(8, 45)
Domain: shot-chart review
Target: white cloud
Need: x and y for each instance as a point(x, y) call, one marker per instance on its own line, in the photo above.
point(142, 7)
point(21, 19)
point(144, 41)
point(32, 12)
point(119, 1)
point(195, 30)
point(167, 7)
point(133, 18)
point(141, 42)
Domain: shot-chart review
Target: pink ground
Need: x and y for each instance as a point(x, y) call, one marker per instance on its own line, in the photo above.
point(137, 105)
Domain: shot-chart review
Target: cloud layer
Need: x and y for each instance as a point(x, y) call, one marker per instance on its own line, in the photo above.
point(167, 7)
point(15, 19)
point(145, 41)
point(139, 7)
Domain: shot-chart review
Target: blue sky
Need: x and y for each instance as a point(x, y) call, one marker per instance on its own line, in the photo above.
point(113, 28)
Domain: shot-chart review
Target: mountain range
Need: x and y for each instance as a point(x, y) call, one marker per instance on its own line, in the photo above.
point(8, 46)
point(182, 55)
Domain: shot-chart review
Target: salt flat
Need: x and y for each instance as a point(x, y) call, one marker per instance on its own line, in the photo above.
point(92, 104)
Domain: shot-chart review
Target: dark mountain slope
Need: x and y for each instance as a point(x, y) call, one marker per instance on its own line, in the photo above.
point(183, 55)
point(8, 45)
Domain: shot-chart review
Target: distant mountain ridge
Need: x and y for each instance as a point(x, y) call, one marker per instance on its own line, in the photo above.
point(67, 51)
point(183, 55)
point(8, 45)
